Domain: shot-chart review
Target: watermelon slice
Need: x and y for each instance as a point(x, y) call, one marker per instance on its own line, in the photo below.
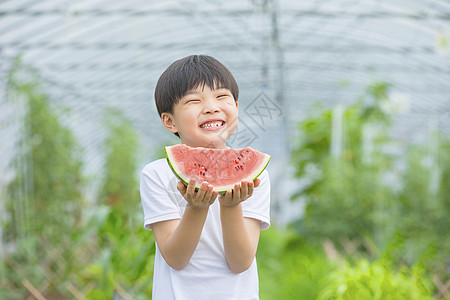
point(223, 168)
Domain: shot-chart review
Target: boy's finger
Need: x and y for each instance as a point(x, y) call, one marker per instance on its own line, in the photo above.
point(229, 195)
point(237, 192)
point(213, 197)
point(250, 188)
point(181, 187)
point(257, 182)
point(208, 192)
point(226, 196)
point(191, 187)
point(244, 188)
point(201, 192)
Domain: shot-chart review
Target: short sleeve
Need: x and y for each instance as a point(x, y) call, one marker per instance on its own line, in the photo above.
point(158, 199)
point(258, 205)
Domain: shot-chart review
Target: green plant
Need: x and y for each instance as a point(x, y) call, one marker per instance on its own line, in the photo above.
point(375, 281)
point(290, 267)
point(45, 197)
point(424, 220)
point(126, 249)
point(125, 258)
point(345, 194)
point(119, 188)
point(44, 201)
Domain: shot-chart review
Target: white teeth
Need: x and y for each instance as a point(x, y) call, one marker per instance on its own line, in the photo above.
point(210, 125)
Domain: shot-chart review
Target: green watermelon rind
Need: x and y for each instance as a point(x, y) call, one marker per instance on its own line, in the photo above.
point(222, 190)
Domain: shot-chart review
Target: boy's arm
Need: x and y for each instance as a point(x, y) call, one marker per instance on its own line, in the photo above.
point(177, 239)
point(240, 235)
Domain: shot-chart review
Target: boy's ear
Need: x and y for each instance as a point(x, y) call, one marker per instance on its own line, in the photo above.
point(167, 120)
point(237, 105)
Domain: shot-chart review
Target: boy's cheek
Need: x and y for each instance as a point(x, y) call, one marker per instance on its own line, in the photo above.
point(232, 126)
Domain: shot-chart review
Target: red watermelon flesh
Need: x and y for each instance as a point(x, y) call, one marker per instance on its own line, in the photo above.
point(223, 168)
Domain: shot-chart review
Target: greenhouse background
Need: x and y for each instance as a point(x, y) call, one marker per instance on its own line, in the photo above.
point(350, 98)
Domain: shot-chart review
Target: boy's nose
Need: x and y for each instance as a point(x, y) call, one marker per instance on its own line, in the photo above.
point(210, 107)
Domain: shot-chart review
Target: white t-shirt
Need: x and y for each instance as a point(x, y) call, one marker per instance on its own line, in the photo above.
point(207, 275)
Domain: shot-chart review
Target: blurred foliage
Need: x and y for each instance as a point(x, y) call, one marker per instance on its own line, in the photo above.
point(375, 281)
point(47, 188)
point(290, 267)
point(127, 249)
point(344, 194)
point(366, 194)
point(120, 187)
point(125, 259)
point(44, 201)
point(424, 220)
point(53, 238)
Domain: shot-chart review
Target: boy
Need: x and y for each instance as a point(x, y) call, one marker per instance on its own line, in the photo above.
point(206, 244)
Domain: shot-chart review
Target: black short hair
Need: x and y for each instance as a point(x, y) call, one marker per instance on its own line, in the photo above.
point(190, 73)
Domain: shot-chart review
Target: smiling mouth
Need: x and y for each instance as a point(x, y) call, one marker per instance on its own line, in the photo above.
point(212, 125)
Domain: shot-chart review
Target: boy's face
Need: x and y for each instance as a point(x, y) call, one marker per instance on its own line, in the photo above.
point(204, 117)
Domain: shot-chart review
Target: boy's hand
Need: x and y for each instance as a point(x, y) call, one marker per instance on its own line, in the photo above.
point(200, 199)
point(239, 194)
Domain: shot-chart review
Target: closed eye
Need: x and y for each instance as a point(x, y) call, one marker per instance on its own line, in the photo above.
point(193, 100)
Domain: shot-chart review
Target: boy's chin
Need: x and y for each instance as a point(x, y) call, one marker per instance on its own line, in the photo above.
point(215, 143)
point(216, 139)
